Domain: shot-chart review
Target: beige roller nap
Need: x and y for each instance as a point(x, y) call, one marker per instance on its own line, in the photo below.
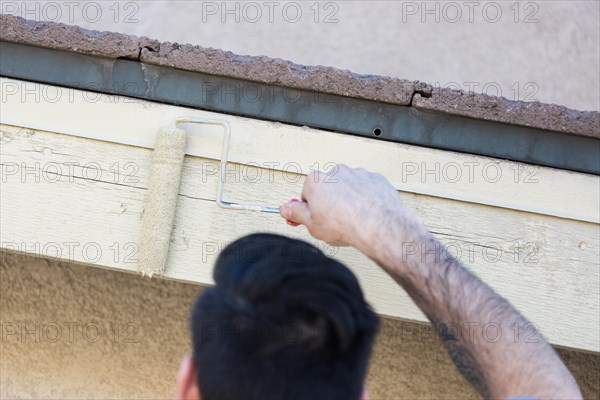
point(161, 200)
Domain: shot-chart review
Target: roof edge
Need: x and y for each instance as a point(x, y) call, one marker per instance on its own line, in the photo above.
point(72, 38)
point(187, 57)
point(276, 71)
point(545, 116)
point(284, 73)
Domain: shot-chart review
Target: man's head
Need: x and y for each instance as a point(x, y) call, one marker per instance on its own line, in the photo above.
point(283, 321)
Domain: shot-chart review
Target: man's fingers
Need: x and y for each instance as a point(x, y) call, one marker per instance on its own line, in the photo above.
point(296, 211)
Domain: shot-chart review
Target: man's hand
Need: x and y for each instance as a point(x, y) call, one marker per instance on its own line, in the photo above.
point(346, 206)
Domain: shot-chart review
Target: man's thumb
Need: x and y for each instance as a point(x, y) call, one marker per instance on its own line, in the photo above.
point(295, 211)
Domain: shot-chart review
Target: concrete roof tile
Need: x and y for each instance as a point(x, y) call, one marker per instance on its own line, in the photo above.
point(499, 109)
point(72, 38)
point(285, 73)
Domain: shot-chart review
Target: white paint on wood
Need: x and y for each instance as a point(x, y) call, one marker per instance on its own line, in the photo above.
point(280, 147)
point(83, 198)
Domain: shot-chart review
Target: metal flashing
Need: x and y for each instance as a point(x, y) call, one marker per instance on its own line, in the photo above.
point(377, 120)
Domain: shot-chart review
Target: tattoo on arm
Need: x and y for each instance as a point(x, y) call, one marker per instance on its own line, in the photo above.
point(463, 358)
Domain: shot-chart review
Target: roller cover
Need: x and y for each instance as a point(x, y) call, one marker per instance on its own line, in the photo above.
point(161, 200)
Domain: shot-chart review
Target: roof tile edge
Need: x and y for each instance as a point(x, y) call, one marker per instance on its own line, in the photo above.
point(499, 109)
point(72, 38)
point(285, 73)
point(210, 61)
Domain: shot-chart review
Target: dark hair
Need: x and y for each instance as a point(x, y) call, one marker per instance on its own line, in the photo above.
point(283, 321)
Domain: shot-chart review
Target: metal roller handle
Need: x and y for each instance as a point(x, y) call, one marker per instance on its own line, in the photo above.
point(226, 138)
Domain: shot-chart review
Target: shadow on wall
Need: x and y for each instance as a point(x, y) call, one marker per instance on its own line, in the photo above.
point(73, 331)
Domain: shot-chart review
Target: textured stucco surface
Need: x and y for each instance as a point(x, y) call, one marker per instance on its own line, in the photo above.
point(408, 361)
point(285, 73)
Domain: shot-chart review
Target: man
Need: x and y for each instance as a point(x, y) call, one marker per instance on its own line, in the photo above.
point(286, 322)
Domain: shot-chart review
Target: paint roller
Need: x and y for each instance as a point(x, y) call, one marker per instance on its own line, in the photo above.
point(163, 188)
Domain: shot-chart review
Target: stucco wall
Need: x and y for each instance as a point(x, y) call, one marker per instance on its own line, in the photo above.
point(88, 305)
point(526, 50)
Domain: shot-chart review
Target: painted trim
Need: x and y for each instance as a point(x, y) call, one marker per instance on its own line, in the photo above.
point(277, 146)
point(547, 267)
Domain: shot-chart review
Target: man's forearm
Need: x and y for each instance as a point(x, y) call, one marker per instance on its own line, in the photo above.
point(502, 354)
point(497, 350)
